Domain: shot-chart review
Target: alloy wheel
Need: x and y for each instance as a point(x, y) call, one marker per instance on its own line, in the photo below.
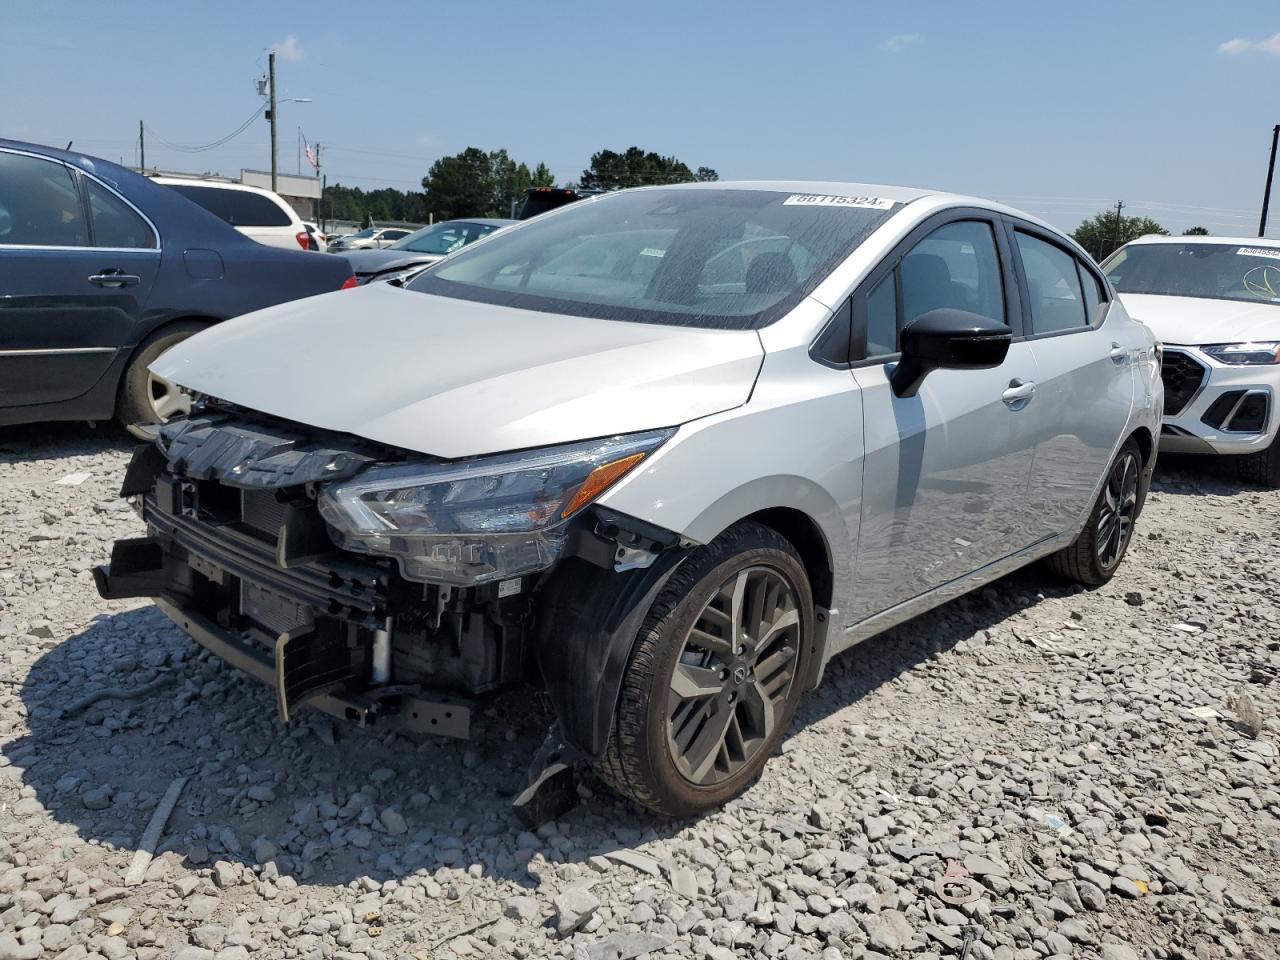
point(166, 398)
point(733, 675)
point(1119, 505)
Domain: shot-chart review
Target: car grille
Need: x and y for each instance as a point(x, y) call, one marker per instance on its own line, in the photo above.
point(1182, 376)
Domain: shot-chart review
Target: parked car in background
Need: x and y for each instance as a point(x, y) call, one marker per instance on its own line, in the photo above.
point(1215, 303)
point(103, 270)
point(420, 249)
point(370, 238)
point(544, 199)
point(663, 484)
point(319, 240)
point(259, 214)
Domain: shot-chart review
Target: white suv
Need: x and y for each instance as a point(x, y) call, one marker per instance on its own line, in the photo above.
point(259, 214)
point(1215, 302)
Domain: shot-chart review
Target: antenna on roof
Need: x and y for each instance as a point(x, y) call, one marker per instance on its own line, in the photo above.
point(69, 142)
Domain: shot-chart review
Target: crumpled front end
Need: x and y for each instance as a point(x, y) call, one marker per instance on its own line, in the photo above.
point(237, 554)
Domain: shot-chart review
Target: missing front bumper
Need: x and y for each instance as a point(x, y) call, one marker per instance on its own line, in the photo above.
point(306, 665)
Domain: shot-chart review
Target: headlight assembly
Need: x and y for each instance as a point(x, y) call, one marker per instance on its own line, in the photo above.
point(1265, 352)
point(476, 521)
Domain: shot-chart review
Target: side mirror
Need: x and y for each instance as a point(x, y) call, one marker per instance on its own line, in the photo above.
point(952, 340)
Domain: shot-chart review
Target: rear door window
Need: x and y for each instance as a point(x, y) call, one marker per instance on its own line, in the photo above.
point(1053, 286)
point(240, 208)
point(39, 203)
point(115, 223)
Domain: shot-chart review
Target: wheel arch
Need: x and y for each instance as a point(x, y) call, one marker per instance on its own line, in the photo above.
point(159, 328)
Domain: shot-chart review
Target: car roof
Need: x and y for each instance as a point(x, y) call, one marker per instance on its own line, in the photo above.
point(825, 187)
point(1193, 238)
point(219, 184)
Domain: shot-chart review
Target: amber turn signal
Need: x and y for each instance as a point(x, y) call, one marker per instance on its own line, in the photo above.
point(598, 480)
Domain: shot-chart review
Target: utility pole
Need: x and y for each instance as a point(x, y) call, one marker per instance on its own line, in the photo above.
point(1271, 169)
point(271, 113)
point(1119, 207)
point(320, 202)
point(142, 148)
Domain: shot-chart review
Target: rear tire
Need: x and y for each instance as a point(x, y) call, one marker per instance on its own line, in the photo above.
point(1263, 467)
point(1095, 555)
point(714, 677)
point(140, 398)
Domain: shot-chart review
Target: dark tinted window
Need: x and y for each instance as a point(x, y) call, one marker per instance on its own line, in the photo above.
point(115, 223)
point(954, 267)
point(882, 319)
point(720, 258)
point(394, 235)
point(240, 208)
point(1053, 286)
point(39, 203)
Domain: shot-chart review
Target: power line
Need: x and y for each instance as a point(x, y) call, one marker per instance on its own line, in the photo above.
point(209, 146)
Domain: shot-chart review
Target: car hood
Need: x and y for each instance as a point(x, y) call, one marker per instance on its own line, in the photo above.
point(1197, 320)
point(454, 378)
point(376, 261)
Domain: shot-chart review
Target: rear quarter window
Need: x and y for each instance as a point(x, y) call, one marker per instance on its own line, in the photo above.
point(240, 208)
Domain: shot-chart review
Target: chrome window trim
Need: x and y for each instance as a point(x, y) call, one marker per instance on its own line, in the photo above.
point(39, 246)
point(44, 351)
point(88, 209)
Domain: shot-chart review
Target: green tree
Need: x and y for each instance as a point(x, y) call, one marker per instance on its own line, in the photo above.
point(542, 176)
point(1105, 233)
point(1195, 232)
point(474, 183)
point(460, 186)
point(386, 203)
point(634, 167)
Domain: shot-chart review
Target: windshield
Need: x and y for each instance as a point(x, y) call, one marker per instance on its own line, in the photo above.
point(1217, 271)
point(366, 232)
point(443, 237)
point(721, 258)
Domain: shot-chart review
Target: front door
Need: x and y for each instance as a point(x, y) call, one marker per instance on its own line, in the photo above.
point(72, 285)
point(945, 472)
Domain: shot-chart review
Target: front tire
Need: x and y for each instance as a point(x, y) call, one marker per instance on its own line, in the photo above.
point(1263, 467)
point(144, 397)
point(714, 678)
point(1095, 555)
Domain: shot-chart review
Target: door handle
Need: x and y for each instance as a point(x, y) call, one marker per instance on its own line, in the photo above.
point(1119, 354)
point(113, 278)
point(1018, 394)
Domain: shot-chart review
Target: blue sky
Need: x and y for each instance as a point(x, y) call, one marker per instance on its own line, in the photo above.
point(1060, 109)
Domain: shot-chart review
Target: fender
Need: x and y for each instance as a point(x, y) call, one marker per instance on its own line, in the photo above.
point(587, 629)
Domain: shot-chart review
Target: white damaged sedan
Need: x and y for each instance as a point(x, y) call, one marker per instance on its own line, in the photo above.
point(660, 454)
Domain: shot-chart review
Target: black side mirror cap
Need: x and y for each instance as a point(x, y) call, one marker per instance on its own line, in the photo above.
point(951, 340)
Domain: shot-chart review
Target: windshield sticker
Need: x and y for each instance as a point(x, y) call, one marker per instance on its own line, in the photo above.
point(825, 200)
point(1258, 252)
point(652, 252)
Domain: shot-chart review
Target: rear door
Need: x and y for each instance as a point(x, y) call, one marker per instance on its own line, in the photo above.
point(1085, 389)
point(945, 472)
point(77, 263)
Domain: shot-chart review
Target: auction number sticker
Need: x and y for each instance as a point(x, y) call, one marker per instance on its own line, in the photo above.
point(1258, 252)
point(826, 200)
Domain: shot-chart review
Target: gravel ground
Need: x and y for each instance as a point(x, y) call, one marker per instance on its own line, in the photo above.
point(1033, 743)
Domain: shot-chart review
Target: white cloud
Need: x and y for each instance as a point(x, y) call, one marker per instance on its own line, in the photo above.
point(288, 49)
point(900, 41)
point(1236, 45)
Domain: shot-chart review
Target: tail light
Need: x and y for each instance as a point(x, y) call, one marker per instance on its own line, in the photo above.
point(305, 241)
point(349, 283)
